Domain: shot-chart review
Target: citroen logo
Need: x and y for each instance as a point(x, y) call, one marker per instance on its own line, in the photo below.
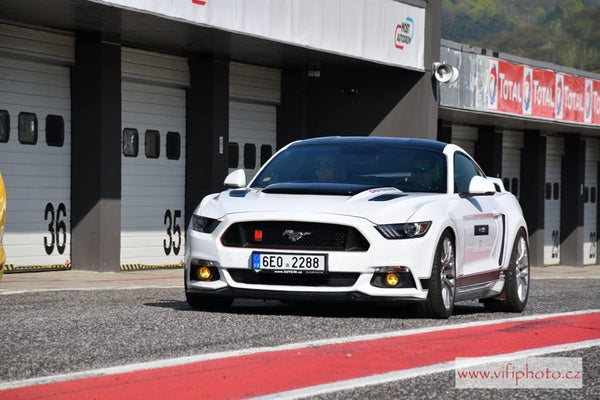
point(295, 236)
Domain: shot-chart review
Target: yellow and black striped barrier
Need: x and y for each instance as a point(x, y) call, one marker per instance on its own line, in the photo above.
point(14, 269)
point(139, 267)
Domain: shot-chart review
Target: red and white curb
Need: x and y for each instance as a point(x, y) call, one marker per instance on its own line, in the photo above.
point(311, 368)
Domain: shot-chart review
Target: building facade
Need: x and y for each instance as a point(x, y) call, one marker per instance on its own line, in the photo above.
point(117, 117)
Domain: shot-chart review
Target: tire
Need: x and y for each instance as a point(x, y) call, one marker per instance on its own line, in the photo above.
point(442, 284)
point(516, 280)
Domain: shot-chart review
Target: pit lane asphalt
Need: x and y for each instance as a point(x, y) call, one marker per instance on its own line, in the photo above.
point(53, 332)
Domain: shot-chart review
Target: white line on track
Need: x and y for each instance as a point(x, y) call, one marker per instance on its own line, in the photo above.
point(80, 289)
point(180, 286)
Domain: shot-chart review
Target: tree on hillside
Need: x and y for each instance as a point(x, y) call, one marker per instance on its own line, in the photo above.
point(581, 40)
point(564, 32)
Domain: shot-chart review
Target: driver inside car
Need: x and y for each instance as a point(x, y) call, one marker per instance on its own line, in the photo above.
point(328, 168)
point(425, 174)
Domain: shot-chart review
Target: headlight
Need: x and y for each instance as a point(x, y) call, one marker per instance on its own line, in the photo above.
point(203, 224)
point(404, 231)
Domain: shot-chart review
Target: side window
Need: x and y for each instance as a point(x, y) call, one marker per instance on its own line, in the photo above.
point(55, 130)
point(28, 128)
point(265, 153)
point(173, 146)
point(249, 156)
point(234, 155)
point(464, 171)
point(152, 144)
point(130, 142)
point(548, 191)
point(4, 126)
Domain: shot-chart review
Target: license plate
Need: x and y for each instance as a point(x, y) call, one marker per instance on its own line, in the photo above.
point(290, 263)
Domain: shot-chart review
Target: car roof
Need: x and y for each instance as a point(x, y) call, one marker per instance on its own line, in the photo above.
point(373, 140)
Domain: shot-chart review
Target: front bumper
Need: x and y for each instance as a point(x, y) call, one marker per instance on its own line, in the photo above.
point(302, 296)
point(415, 254)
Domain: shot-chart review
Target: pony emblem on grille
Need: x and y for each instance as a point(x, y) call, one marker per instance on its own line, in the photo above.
point(295, 236)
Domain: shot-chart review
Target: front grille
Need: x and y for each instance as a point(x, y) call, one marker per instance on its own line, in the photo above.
point(281, 234)
point(333, 279)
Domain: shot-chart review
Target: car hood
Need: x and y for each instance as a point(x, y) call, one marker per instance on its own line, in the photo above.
point(363, 201)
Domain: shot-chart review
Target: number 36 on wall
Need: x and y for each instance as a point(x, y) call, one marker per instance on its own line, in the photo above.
point(56, 227)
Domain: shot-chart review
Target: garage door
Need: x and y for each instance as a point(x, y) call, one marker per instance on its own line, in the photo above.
point(590, 201)
point(512, 144)
point(554, 153)
point(35, 146)
point(465, 137)
point(254, 94)
point(153, 159)
point(252, 135)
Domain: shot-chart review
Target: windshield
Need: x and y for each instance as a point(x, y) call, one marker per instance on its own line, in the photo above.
point(406, 168)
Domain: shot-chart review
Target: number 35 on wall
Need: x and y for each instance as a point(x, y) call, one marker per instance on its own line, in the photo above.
point(173, 229)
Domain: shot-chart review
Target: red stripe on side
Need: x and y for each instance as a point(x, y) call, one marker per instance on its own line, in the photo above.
point(277, 371)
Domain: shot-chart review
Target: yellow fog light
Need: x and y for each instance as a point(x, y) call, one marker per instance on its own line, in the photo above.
point(205, 273)
point(391, 279)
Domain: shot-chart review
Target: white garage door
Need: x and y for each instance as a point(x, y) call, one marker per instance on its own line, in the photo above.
point(35, 146)
point(512, 144)
point(153, 159)
point(590, 201)
point(254, 94)
point(252, 135)
point(465, 137)
point(554, 153)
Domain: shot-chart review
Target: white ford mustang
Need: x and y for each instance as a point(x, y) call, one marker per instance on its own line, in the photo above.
point(361, 218)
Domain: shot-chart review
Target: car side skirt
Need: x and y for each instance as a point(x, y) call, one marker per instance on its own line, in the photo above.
point(489, 284)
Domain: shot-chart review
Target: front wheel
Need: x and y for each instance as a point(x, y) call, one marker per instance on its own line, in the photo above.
point(516, 281)
point(442, 284)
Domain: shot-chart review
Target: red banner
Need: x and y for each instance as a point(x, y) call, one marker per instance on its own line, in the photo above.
point(543, 93)
point(510, 83)
point(522, 90)
point(573, 98)
point(592, 101)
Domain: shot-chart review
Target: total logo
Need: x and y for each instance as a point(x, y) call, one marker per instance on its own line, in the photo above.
point(404, 33)
point(558, 93)
point(527, 90)
point(587, 113)
point(492, 85)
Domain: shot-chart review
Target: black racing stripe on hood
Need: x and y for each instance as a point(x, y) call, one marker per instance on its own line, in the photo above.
point(318, 188)
point(386, 197)
point(239, 193)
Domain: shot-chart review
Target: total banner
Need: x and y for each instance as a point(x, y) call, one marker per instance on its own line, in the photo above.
point(539, 93)
point(383, 31)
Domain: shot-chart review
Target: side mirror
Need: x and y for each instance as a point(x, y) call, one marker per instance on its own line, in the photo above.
point(481, 186)
point(236, 179)
point(498, 183)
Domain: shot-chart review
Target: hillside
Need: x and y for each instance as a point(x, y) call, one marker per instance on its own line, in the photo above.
point(565, 32)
